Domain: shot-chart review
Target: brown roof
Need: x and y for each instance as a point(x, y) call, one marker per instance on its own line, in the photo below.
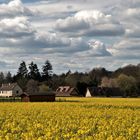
point(63, 89)
point(9, 86)
point(66, 91)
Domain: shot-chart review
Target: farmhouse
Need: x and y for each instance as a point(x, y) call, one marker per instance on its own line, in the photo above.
point(38, 97)
point(10, 90)
point(66, 91)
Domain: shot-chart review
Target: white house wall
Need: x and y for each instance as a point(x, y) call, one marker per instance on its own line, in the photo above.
point(6, 93)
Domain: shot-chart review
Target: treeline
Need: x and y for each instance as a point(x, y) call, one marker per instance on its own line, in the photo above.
point(5, 77)
point(127, 79)
point(25, 74)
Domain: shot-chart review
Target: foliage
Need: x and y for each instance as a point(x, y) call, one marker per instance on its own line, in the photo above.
point(73, 119)
point(93, 78)
point(98, 73)
point(34, 72)
point(32, 86)
point(8, 78)
point(109, 82)
point(22, 82)
point(46, 71)
point(82, 88)
point(58, 80)
point(43, 88)
point(2, 77)
point(127, 84)
point(22, 70)
point(72, 79)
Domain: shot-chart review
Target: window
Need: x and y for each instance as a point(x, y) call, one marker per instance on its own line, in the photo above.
point(17, 92)
point(64, 90)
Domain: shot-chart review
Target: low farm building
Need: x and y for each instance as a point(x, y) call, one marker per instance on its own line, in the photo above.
point(66, 91)
point(38, 97)
point(10, 90)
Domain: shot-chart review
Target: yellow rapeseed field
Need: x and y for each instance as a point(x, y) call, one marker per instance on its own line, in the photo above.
point(71, 119)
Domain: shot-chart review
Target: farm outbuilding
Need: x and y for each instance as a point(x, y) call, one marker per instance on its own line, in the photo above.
point(38, 97)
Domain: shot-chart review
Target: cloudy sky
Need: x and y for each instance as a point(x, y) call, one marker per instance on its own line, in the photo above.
point(72, 34)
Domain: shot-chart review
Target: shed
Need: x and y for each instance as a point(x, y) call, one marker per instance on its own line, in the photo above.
point(38, 97)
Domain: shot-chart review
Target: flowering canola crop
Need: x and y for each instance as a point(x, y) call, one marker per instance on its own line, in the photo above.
point(71, 119)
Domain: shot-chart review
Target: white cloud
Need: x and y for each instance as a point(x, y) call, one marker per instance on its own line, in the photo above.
point(82, 38)
point(15, 28)
point(96, 49)
point(14, 8)
point(90, 23)
point(133, 12)
point(128, 49)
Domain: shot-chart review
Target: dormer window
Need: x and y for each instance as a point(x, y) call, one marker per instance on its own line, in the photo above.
point(64, 90)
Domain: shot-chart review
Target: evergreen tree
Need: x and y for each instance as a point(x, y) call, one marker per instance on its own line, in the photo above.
point(22, 70)
point(34, 72)
point(22, 76)
point(8, 77)
point(1, 78)
point(47, 71)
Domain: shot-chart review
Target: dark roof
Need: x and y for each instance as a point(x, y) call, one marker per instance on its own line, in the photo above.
point(39, 93)
point(9, 86)
point(63, 94)
point(23, 94)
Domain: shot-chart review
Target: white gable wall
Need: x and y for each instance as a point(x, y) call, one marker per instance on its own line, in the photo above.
point(17, 91)
point(88, 94)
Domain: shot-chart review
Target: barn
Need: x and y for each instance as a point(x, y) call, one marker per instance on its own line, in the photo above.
point(38, 97)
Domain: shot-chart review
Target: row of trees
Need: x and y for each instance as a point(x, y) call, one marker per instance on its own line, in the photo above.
point(25, 74)
point(127, 78)
point(127, 84)
point(5, 77)
point(33, 72)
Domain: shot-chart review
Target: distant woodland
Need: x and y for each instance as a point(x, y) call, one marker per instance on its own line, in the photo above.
point(127, 79)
